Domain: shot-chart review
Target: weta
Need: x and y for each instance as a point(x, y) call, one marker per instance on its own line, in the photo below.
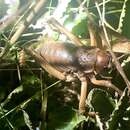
point(71, 59)
point(69, 62)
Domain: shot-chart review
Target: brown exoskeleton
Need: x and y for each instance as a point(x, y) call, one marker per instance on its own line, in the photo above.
point(67, 57)
point(67, 62)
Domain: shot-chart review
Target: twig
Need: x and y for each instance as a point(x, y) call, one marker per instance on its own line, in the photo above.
point(24, 25)
point(44, 100)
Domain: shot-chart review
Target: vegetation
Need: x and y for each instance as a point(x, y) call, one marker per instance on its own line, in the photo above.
point(32, 99)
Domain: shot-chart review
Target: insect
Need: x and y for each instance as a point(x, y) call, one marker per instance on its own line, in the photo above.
point(66, 61)
point(69, 58)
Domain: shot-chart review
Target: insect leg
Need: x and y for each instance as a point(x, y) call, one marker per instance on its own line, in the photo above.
point(45, 65)
point(83, 95)
point(71, 36)
point(105, 83)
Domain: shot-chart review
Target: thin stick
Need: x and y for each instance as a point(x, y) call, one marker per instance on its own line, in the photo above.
point(23, 26)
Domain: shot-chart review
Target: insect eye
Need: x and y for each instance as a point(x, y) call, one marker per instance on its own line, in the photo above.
point(83, 58)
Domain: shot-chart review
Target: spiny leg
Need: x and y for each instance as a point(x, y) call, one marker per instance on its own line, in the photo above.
point(83, 95)
point(105, 83)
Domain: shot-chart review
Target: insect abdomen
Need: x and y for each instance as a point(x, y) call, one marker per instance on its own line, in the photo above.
point(59, 55)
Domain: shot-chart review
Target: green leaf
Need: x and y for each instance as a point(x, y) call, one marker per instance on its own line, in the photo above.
point(27, 120)
point(62, 117)
point(123, 13)
point(115, 121)
point(77, 23)
point(100, 101)
point(30, 79)
point(74, 122)
point(126, 21)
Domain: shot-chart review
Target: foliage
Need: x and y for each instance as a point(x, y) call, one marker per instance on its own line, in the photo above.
point(30, 98)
